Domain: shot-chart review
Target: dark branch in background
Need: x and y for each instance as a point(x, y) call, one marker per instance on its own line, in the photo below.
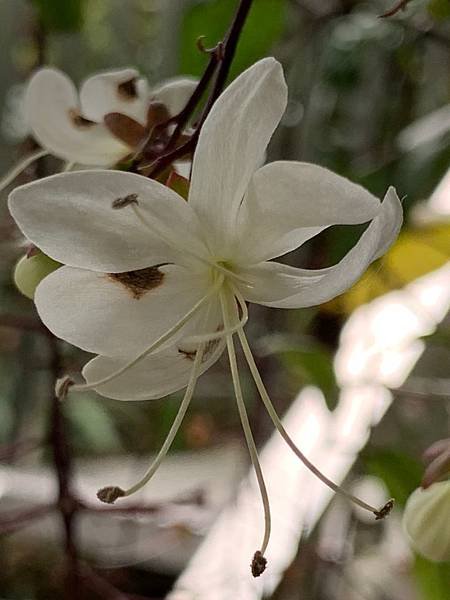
point(400, 5)
point(221, 58)
point(62, 461)
point(78, 576)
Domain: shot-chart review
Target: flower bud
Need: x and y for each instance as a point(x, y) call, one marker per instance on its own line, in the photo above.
point(426, 521)
point(31, 270)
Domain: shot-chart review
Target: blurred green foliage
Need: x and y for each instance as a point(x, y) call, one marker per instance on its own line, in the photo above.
point(57, 16)
point(400, 472)
point(433, 578)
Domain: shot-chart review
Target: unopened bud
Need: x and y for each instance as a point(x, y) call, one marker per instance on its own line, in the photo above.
point(31, 270)
point(426, 521)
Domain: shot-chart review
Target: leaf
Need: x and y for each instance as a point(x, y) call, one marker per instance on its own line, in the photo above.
point(432, 578)
point(312, 366)
point(61, 16)
point(418, 251)
point(264, 26)
point(400, 472)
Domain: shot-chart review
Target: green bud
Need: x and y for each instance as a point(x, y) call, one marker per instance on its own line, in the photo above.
point(30, 271)
point(426, 521)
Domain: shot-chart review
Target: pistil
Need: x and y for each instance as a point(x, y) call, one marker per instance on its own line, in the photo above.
point(379, 513)
point(259, 562)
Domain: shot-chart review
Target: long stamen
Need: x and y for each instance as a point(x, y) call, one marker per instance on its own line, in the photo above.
point(162, 234)
point(110, 494)
point(159, 342)
point(17, 170)
point(217, 335)
point(379, 513)
point(259, 562)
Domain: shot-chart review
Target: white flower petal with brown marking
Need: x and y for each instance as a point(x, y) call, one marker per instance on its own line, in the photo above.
point(158, 286)
point(72, 126)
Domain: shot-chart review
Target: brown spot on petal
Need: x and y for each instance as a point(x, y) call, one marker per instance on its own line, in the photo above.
point(138, 283)
point(128, 89)
point(78, 120)
point(125, 128)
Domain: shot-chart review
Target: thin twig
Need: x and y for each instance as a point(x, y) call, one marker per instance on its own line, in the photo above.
point(400, 5)
point(225, 58)
point(62, 461)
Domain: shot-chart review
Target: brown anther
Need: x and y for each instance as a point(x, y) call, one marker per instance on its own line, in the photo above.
point(384, 510)
point(128, 89)
point(125, 201)
point(109, 494)
point(78, 120)
point(189, 354)
point(62, 387)
point(259, 564)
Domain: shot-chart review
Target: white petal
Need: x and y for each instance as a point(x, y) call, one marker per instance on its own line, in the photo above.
point(154, 377)
point(281, 286)
point(174, 93)
point(51, 102)
point(70, 217)
point(289, 202)
point(102, 94)
point(117, 315)
point(231, 145)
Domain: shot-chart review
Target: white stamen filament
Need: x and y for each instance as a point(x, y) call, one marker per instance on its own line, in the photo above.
point(208, 262)
point(279, 426)
point(246, 426)
point(17, 169)
point(217, 335)
point(175, 425)
point(159, 342)
point(162, 234)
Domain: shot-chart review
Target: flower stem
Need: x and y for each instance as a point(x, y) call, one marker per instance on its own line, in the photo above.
point(246, 426)
point(280, 427)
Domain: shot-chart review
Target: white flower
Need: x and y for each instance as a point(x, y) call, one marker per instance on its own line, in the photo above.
point(426, 521)
point(105, 122)
point(174, 276)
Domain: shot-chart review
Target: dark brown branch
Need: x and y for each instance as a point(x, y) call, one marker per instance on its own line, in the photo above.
point(400, 5)
point(183, 117)
point(62, 461)
point(225, 58)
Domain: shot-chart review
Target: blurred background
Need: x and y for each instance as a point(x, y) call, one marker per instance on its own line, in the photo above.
point(364, 381)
